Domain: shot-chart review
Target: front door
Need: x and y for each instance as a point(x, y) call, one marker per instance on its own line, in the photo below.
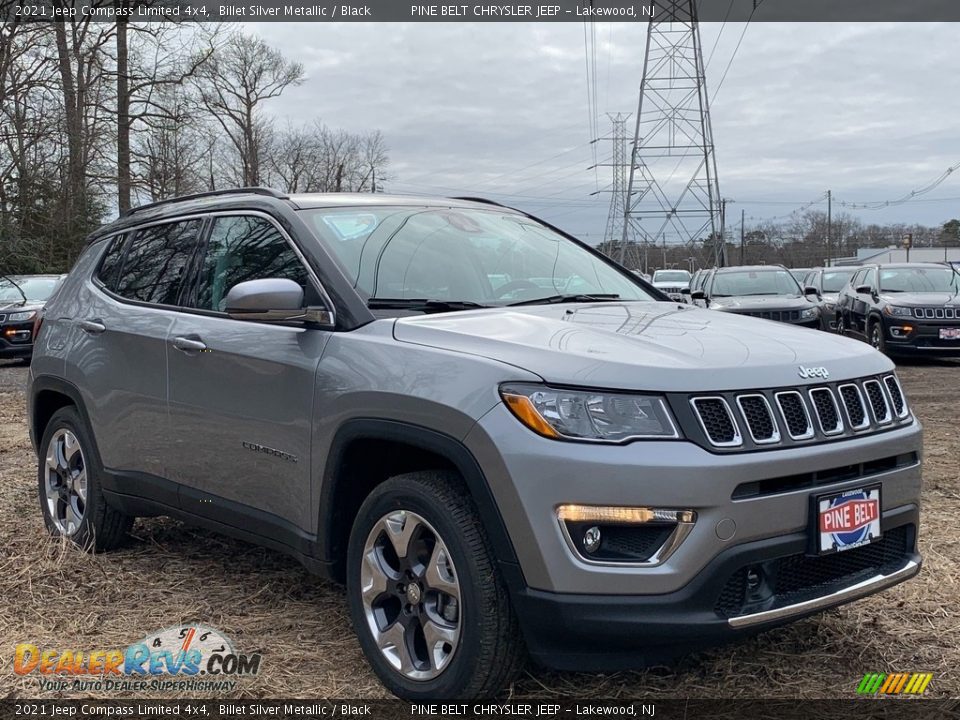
point(241, 392)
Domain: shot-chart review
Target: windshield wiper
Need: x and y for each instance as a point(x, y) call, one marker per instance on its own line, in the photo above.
point(19, 289)
point(555, 299)
point(424, 304)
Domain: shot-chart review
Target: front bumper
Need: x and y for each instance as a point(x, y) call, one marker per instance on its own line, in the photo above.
point(923, 339)
point(531, 476)
point(611, 632)
point(16, 340)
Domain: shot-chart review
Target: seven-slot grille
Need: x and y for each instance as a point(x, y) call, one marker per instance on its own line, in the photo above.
point(824, 411)
point(937, 313)
point(778, 315)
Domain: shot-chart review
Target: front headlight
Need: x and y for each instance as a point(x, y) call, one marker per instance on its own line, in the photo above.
point(896, 311)
point(809, 313)
point(589, 414)
point(22, 316)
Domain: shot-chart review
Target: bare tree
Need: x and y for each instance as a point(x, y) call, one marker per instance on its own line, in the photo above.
point(234, 84)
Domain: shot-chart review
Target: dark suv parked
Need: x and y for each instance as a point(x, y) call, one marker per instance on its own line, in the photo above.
point(902, 309)
point(763, 291)
point(22, 298)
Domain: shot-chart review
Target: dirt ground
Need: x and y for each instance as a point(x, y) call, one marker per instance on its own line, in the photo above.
point(169, 573)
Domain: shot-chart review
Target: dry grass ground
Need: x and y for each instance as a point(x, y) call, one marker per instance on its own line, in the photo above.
point(58, 597)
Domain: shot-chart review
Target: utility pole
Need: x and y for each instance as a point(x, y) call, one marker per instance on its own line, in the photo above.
point(743, 218)
point(723, 233)
point(829, 227)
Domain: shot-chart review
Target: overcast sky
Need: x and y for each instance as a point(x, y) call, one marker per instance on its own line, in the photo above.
point(870, 111)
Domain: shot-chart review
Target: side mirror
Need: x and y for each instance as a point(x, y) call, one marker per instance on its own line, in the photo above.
point(811, 290)
point(273, 300)
point(864, 290)
point(697, 294)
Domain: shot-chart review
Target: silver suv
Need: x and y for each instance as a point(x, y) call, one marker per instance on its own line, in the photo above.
point(506, 445)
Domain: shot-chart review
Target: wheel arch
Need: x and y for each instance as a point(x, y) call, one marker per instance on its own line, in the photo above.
point(367, 451)
point(47, 395)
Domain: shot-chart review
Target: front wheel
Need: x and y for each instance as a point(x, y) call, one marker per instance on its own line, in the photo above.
point(426, 599)
point(876, 336)
point(841, 325)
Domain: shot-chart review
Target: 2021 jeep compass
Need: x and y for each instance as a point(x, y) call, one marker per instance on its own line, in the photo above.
point(503, 443)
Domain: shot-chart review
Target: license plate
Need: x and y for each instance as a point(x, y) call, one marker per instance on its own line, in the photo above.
point(847, 520)
point(950, 333)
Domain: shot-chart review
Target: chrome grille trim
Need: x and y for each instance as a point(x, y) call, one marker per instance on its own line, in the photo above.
point(810, 432)
point(737, 437)
point(937, 313)
point(863, 406)
point(838, 427)
point(775, 436)
point(895, 381)
point(887, 418)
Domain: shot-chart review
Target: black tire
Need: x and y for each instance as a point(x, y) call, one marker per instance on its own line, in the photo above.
point(875, 336)
point(100, 527)
point(490, 650)
point(841, 325)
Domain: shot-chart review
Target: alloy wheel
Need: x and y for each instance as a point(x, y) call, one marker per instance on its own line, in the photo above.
point(876, 339)
point(65, 481)
point(411, 595)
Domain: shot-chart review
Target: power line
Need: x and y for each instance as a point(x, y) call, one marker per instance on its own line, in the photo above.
point(913, 194)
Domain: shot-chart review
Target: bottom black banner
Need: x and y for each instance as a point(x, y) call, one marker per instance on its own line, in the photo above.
point(538, 709)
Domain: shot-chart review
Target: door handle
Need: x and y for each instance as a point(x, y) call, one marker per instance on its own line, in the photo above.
point(94, 327)
point(189, 345)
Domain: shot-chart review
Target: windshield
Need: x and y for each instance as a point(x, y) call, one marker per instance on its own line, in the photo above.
point(754, 282)
point(919, 279)
point(37, 289)
point(678, 276)
point(834, 280)
point(463, 255)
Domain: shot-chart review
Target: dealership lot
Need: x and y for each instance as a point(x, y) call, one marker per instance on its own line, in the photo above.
point(265, 602)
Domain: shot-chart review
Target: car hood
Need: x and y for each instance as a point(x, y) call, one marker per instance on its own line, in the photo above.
point(927, 299)
point(829, 298)
point(644, 346)
point(749, 303)
point(18, 307)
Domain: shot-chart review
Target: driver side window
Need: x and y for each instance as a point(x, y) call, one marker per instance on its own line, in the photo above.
point(246, 247)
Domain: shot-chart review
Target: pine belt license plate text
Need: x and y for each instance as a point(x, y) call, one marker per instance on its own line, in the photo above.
point(847, 520)
point(950, 333)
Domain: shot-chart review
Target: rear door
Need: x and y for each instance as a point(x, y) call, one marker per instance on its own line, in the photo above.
point(117, 356)
point(241, 392)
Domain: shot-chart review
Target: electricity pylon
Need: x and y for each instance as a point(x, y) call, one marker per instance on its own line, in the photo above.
point(616, 218)
point(673, 195)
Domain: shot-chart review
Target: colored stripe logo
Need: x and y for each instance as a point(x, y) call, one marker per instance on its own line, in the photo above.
point(894, 684)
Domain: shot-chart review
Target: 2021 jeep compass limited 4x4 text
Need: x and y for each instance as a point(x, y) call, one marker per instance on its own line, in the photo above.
point(503, 443)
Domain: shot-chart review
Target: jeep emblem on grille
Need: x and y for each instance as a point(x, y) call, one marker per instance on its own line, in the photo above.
point(813, 372)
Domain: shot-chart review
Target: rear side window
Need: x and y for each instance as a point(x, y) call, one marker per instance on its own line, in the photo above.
point(241, 248)
point(110, 264)
point(156, 262)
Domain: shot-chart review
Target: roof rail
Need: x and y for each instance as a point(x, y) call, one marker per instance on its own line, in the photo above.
point(486, 201)
point(269, 192)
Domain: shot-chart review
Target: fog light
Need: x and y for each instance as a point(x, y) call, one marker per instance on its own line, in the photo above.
point(591, 539)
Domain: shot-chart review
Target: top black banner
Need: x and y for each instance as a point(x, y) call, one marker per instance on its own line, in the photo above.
point(453, 11)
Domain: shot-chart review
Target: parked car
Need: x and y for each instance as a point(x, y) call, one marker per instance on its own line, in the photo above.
point(22, 298)
point(903, 308)
point(799, 274)
point(828, 282)
point(672, 282)
point(698, 282)
point(384, 388)
point(763, 291)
